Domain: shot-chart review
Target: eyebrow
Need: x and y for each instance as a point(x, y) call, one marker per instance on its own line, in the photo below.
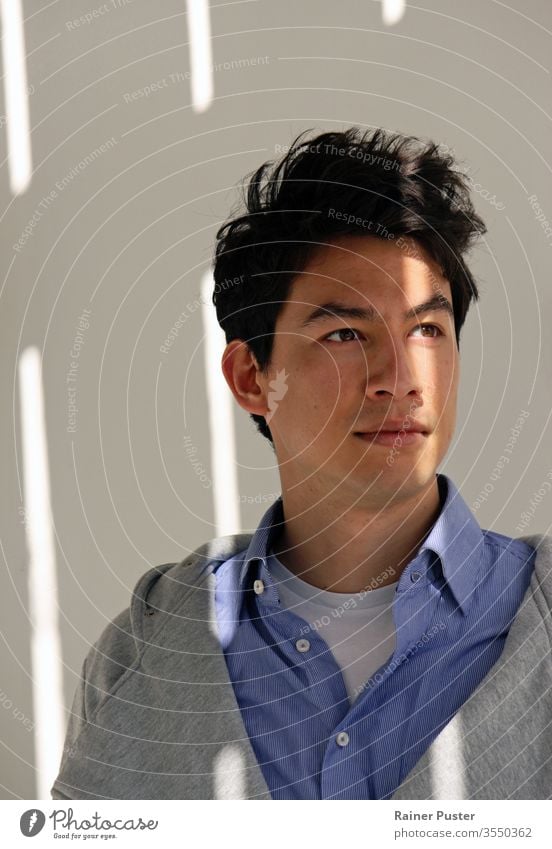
point(332, 309)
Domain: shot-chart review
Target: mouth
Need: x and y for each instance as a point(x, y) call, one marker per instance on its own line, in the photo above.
point(397, 438)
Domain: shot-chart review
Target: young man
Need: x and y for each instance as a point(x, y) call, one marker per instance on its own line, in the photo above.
point(369, 640)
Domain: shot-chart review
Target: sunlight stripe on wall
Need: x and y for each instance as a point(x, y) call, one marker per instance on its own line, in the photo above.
point(201, 62)
point(47, 688)
point(221, 419)
point(15, 96)
point(393, 11)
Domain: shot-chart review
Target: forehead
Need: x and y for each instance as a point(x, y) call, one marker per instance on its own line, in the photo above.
point(366, 267)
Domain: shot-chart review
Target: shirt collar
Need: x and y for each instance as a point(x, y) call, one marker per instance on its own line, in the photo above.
point(455, 537)
point(263, 538)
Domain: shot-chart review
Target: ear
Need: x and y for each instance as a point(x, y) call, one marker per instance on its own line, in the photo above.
point(244, 377)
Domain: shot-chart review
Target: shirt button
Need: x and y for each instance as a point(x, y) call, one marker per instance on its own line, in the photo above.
point(415, 576)
point(342, 738)
point(302, 645)
point(258, 586)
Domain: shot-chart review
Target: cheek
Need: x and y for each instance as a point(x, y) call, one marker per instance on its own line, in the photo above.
point(442, 376)
point(316, 394)
point(316, 374)
point(321, 394)
point(444, 403)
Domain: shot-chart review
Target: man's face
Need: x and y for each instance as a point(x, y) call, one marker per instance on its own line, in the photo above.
point(338, 376)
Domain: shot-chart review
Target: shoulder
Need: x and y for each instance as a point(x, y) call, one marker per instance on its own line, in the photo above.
point(542, 546)
point(516, 547)
point(159, 591)
point(532, 553)
point(117, 653)
point(541, 579)
point(163, 588)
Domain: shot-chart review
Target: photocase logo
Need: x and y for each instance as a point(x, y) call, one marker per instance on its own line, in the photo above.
point(32, 822)
point(278, 388)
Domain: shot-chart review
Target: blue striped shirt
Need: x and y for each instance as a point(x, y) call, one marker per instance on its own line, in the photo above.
point(453, 607)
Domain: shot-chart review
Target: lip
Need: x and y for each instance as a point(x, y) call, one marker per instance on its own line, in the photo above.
point(395, 425)
point(400, 438)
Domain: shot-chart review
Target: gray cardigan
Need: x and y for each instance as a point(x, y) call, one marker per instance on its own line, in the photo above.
point(155, 717)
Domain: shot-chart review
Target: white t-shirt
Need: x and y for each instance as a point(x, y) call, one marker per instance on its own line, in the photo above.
point(358, 627)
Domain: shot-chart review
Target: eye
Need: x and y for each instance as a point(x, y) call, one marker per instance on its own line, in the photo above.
point(434, 326)
point(343, 330)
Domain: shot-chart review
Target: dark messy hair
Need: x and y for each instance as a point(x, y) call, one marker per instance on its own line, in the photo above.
point(407, 186)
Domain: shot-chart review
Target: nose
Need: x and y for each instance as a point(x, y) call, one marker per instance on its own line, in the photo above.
point(390, 373)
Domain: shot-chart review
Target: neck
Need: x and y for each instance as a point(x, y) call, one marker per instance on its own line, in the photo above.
point(343, 548)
